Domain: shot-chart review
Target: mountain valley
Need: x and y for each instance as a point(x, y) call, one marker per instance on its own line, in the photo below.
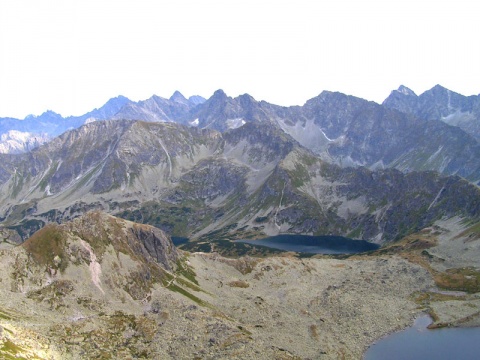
point(89, 210)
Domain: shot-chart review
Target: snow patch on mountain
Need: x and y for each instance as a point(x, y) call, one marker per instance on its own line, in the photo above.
point(90, 120)
point(405, 91)
point(16, 142)
point(308, 134)
point(235, 123)
point(459, 118)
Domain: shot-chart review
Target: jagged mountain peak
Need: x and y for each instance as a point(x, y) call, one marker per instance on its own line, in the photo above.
point(329, 95)
point(108, 110)
point(117, 99)
point(50, 114)
point(247, 100)
point(405, 91)
point(196, 99)
point(178, 97)
point(330, 98)
point(155, 98)
point(219, 94)
point(222, 112)
point(157, 108)
point(246, 96)
point(401, 99)
point(440, 103)
point(438, 88)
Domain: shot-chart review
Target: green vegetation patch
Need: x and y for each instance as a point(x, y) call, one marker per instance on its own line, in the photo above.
point(45, 245)
point(472, 233)
point(197, 246)
point(172, 219)
point(186, 271)
point(459, 279)
point(232, 249)
point(180, 290)
point(5, 315)
point(299, 176)
point(425, 298)
point(9, 350)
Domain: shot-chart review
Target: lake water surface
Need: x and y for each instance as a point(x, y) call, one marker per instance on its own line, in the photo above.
point(178, 240)
point(315, 244)
point(420, 343)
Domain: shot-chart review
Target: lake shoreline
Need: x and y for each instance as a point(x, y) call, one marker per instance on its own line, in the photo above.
point(421, 338)
point(309, 244)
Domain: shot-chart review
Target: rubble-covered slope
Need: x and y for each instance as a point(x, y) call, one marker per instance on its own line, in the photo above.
point(103, 287)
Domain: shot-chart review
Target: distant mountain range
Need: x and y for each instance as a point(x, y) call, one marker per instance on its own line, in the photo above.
point(237, 167)
point(50, 124)
point(439, 103)
point(403, 132)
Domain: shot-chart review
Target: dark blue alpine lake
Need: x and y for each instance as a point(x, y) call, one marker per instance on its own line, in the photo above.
point(178, 240)
point(315, 244)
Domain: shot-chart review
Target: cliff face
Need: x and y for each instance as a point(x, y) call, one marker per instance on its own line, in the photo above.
point(96, 253)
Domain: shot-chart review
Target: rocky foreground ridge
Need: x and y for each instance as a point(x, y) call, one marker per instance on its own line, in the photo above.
point(103, 287)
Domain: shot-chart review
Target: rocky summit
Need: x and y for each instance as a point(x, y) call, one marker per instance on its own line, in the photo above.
point(441, 104)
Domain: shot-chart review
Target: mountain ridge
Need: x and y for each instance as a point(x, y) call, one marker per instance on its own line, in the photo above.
point(439, 103)
point(195, 182)
point(343, 129)
point(50, 124)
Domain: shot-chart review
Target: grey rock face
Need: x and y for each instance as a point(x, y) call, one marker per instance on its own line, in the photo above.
point(156, 108)
point(442, 104)
point(156, 243)
point(145, 242)
point(350, 131)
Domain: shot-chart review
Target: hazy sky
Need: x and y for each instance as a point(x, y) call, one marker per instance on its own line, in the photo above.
point(71, 56)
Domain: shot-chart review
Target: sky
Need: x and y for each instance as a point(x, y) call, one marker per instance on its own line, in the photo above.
point(71, 56)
